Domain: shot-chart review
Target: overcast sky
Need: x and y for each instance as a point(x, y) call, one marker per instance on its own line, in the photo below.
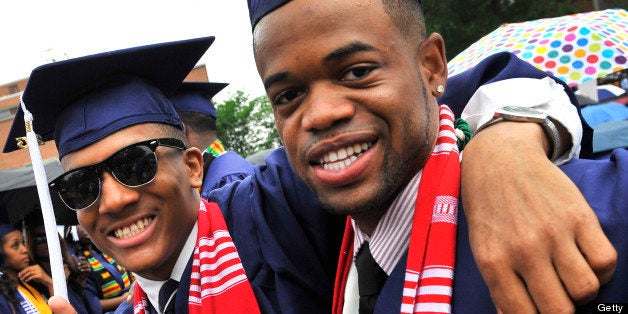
point(33, 31)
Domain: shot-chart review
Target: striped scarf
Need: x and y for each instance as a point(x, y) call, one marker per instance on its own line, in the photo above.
point(218, 283)
point(109, 284)
point(429, 273)
point(216, 148)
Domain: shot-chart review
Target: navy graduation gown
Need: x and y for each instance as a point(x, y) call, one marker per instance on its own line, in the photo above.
point(6, 307)
point(287, 243)
point(603, 184)
point(223, 170)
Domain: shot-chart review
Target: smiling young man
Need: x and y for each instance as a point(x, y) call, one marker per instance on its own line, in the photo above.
point(131, 177)
point(353, 86)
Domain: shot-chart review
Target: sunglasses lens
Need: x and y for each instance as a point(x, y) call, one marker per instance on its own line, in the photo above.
point(134, 166)
point(79, 189)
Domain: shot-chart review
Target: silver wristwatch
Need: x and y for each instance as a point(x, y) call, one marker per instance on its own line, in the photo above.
point(525, 114)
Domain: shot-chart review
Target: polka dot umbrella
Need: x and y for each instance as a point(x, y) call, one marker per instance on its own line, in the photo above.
point(575, 48)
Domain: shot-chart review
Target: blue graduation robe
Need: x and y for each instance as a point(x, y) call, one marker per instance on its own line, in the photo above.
point(223, 170)
point(290, 259)
point(6, 307)
point(603, 184)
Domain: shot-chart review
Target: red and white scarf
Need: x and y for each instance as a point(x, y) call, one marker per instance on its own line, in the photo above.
point(429, 275)
point(218, 283)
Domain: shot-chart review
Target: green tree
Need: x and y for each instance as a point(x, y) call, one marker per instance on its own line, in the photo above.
point(463, 22)
point(246, 126)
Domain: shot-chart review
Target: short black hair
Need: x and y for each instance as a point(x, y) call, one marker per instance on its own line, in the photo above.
point(198, 122)
point(172, 132)
point(407, 15)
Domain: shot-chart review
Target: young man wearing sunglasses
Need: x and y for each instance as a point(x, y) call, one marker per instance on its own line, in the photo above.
point(133, 182)
point(131, 177)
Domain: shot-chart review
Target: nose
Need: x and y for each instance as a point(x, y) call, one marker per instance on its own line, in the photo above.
point(114, 196)
point(326, 105)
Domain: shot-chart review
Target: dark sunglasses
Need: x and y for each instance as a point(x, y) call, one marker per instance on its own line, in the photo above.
point(132, 166)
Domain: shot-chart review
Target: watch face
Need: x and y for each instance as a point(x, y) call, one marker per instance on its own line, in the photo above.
point(515, 113)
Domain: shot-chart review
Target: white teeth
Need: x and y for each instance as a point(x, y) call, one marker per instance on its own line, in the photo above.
point(133, 229)
point(333, 156)
point(342, 153)
point(343, 157)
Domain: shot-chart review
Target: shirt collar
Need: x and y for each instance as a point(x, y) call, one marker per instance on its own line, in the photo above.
point(391, 237)
point(151, 287)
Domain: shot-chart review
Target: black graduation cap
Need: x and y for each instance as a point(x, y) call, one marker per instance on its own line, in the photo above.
point(79, 101)
point(196, 97)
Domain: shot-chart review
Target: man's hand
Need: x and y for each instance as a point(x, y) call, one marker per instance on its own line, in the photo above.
point(60, 306)
point(537, 243)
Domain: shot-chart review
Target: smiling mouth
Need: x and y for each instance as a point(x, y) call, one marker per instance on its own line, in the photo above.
point(133, 229)
point(343, 157)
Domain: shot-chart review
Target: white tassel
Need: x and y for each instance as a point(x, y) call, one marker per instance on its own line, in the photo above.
point(54, 247)
point(75, 236)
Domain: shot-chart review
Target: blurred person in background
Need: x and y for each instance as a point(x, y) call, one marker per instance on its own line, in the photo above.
point(107, 279)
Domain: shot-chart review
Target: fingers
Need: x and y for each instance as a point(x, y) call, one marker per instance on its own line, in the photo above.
point(600, 254)
point(60, 305)
point(129, 297)
point(578, 279)
point(508, 292)
point(546, 288)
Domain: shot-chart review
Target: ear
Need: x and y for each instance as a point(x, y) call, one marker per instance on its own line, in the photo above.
point(433, 64)
point(193, 159)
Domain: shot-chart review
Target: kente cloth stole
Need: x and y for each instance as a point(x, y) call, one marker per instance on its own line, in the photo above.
point(218, 283)
point(216, 148)
point(429, 273)
point(111, 284)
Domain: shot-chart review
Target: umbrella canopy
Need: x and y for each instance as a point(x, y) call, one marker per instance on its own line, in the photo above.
point(575, 48)
point(18, 195)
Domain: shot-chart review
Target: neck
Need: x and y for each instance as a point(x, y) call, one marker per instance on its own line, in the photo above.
point(367, 222)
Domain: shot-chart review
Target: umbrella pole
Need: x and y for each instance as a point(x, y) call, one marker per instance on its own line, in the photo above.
point(54, 247)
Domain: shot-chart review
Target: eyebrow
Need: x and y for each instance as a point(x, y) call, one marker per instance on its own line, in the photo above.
point(347, 50)
point(335, 55)
point(281, 76)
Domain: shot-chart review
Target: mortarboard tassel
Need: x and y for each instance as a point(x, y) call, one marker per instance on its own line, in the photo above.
point(50, 224)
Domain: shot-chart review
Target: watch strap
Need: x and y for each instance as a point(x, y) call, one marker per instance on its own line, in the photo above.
point(549, 128)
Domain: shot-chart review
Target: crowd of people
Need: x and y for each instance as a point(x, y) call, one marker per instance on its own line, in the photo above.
point(95, 282)
point(360, 211)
